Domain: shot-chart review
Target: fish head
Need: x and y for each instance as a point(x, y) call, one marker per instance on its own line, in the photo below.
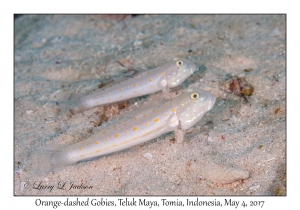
point(192, 106)
point(178, 70)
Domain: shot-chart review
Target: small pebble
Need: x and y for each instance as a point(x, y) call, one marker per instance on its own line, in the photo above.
point(22, 186)
point(49, 122)
point(233, 117)
point(209, 138)
point(29, 111)
point(137, 42)
point(254, 187)
point(45, 104)
point(221, 103)
point(147, 155)
point(190, 130)
point(270, 159)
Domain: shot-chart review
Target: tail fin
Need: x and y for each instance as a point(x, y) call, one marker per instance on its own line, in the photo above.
point(48, 159)
point(71, 106)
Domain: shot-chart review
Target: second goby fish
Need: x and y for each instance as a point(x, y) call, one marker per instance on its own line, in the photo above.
point(167, 76)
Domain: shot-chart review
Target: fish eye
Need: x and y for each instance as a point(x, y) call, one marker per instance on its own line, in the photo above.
point(194, 96)
point(179, 63)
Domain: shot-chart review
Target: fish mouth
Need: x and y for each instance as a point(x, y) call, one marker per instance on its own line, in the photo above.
point(193, 68)
point(212, 99)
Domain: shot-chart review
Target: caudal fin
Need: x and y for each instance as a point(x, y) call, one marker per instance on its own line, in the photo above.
point(48, 159)
point(71, 107)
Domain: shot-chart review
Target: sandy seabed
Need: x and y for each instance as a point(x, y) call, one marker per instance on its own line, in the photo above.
point(238, 148)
